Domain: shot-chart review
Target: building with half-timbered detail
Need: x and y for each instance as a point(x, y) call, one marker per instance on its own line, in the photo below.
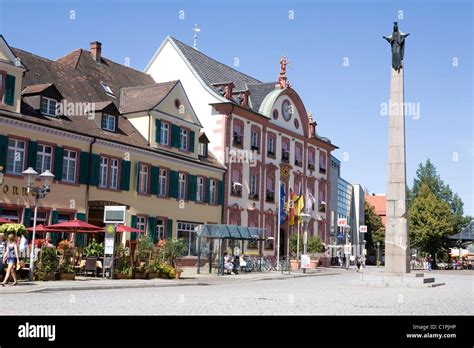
point(111, 136)
point(256, 130)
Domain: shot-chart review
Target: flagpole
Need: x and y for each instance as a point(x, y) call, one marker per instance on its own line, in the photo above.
point(278, 223)
point(298, 241)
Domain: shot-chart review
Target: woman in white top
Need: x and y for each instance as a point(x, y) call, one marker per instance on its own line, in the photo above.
point(12, 258)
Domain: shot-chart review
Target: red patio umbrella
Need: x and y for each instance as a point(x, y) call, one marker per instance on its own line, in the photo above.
point(72, 225)
point(39, 228)
point(123, 228)
point(4, 221)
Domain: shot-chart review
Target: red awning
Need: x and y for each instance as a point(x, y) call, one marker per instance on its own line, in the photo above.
point(123, 228)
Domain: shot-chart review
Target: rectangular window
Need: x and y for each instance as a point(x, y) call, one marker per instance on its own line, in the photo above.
point(322, 162)
point(184, 139)
point(69, 166)
point(165, 131)
point(2, 87)
point(16, 156)
point(103, 172)
point(48, 106)
point(285, 149)
point(298, 154)
point(271, 146)
point(141, 223)
point(238, 133)
point(187, 231)
point(41, 218)
point(160, 229)
point(202, 149)
point(270, 193)
point(253, 184)
point(114, 170)
point(254, 140)
point(10, 214)
point(199, 189)
point(44, 158)
point(163, 179)
point(182, 186)
point(109, 122)
point(143, 179)
point(212, 191)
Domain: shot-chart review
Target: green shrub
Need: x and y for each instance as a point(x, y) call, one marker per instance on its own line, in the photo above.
point(94, 249)
point(48, 263)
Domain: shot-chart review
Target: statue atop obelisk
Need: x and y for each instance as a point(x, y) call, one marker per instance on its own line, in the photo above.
point(397, 255)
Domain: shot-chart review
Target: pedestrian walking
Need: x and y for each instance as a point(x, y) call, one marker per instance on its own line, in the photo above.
point(2, 252)
point(359, 264)
point(428, 261)
point(11, 256)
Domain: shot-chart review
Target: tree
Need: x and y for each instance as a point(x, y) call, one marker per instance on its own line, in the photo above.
point(375, 227)
point(430, 221)
point(427, 174)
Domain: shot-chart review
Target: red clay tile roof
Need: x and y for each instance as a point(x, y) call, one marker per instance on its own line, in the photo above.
point(380, 204)
point(144, 98)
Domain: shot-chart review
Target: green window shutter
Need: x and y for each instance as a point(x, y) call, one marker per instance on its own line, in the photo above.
point(26, 217)
point(133, 235)
point(125, 176)
point(32, 154)
point(58, 163)
point(137, 175)
point(95, 168)
point(54, 217)
point(81, 216)
point(169, 228)
point(173, 184)
point(10, 90)
point(155, 173)
point(175, 136)
point(3, 150)
point(192, 187)
point(152, 229)
point(208, 189)
point(83, 167)
point(220, 192)
point(158, 130)
point(191, 141)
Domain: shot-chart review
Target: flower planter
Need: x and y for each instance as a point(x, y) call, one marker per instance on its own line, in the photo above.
point(139, 275)
point(67, 276)
point(294, 265)
point(152, 275)
point(313, 264)
point(121, 276)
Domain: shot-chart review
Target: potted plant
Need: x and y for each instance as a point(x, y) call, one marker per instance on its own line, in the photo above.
point(315, 245)
point(16, 229)
point(94, 249)
point(143, 254)
point(294, 262)
point(123, 269)
point(48, 265)
point(175, 249)
point(66, 267)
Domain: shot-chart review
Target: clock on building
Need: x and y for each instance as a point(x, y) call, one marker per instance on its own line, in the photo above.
point(286, 109)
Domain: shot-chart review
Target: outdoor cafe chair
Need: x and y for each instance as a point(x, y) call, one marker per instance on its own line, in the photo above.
point(91, 266)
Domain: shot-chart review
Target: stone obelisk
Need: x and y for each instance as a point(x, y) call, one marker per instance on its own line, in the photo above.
point(397, 255)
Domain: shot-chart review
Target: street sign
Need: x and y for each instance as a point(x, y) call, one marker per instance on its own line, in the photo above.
point(363, 228)
point(109, 239)
point(341, 222)
point(114, 214)
point(347, 249)
point(305, 261)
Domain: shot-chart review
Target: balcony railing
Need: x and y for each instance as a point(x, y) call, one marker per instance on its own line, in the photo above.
point(238, 139)
point(285, 156)
point(270, 196)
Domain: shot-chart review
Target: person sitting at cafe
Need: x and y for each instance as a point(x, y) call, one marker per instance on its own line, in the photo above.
point(228, 264)
point(236, 262)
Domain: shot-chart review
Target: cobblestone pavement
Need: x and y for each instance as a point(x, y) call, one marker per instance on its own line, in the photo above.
point(326, 295)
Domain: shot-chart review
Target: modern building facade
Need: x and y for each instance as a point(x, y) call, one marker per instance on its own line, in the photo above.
point(111, 136)
point(261, 132)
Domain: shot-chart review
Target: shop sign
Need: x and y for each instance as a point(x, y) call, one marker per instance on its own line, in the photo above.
point(16, 191)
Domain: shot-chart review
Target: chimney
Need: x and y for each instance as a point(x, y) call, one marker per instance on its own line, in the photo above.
point(96, 50)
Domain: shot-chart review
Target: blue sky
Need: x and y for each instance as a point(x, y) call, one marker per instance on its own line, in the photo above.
point(321, 37)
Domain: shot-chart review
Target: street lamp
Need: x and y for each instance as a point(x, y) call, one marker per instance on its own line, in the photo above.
point(305, 217)
point(40, 192)
point(378, 254)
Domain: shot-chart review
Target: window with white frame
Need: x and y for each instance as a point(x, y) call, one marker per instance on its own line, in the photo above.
point(163, 183)
point(107, 89)
point(271, 146)
point(16, 156)
point(143, 179)
point(199, 189)
point(184, 139)
point(141, 223)
point(114, 170)
point(253, 184)
point(69, 166)
point(10, 214)
point(49, 107)
point(41, 218)
point(187, 231)
point(109, 122)
point(44, 157)
point(160, 229)
point(103, 172)
point(212, 191)
point(254, 139)
point(182, 186)
point(164, 135)
point(202, 149)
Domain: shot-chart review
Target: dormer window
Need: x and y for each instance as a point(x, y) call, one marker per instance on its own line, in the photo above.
point(107, 89)
point(202, 149)
point(49, 106)
point(109, 123)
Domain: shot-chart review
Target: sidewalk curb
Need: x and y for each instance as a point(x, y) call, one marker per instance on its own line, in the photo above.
point(162, 285)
